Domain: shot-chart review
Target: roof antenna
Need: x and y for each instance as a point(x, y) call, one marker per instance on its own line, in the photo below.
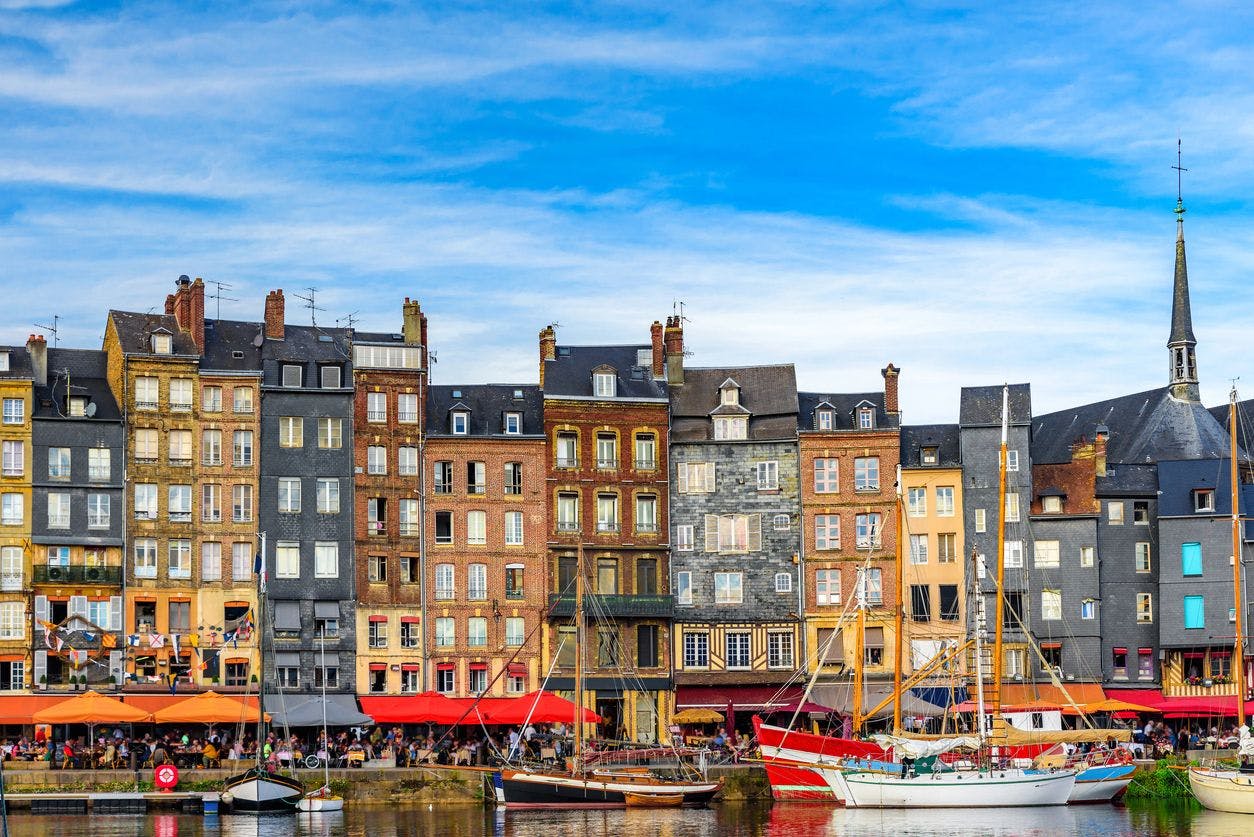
point(219, 287)
point(348, 319)
point(52, 329)
point(1180, 170)
point(311, 305)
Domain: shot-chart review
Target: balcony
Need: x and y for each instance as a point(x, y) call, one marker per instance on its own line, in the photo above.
point(568, 525)
point(376, 416)
point(45, 574)
point(1200, 689)
point(180, 461)
point(145, 405)
point(639, 607)
point(180, 407)
point(607, 463)
point(376, 527)
point(646, 464)
point(405, 417)
point(567, 462)
point(607, 526)
point(646, 528)
point(409, 530)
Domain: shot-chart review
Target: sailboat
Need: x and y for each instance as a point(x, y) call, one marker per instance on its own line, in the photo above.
point(577, 787)
point(257, 790)
point(1217, 788)
point(321, 800)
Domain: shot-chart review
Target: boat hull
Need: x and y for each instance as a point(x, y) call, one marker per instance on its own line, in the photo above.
point(1101, 784)
point(320, 804)
point(955, 789)
point(549, 790)
point(260, 792)
point(1223, 790)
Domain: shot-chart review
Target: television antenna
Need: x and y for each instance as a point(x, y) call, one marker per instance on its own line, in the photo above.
point(311, 304)
point(348, 319)
point(52, 329)
point(217, 296)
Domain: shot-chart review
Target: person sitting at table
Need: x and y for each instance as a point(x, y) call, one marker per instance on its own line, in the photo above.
point(159, 755)
point(210, 756)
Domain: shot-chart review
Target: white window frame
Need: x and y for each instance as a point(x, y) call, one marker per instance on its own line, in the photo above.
point(768, 475)
point(729, 588)
point(326, 559)
point(287, 559)
point(513, 528)
point(683, 588)
point(783, 583)
point(604, 384)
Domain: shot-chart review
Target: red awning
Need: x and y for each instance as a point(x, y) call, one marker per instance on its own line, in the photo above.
point(755, 698)
point(378, 618)
point(540, 707)
point(1218, 706)
point(378, 666)
point(410, 620)
point(478, 666)
point(1120, 650)
point(517, 670)
point(1051, 645)
point(409, 666)
point(1145, 650)
point(445, 667)
point(426, 708)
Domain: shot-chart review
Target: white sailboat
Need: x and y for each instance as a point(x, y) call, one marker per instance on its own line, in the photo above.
point(322, 800)
point(1217, 788)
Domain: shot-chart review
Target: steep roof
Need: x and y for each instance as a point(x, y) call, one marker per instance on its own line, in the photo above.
point(844, 404)
point(1181, 316)
point(1144, 427)
point(310, 343)
point(19, 362)
point(134, 330)
point(981, 406)
point(570, 373)
point(767, 393)
point(86, 371)
point(943, 437)
point(223, 338)
point(487, 404)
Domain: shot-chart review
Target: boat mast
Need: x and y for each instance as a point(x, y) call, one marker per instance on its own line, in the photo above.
point(261, 646)
point(901, 612)
point(1000, 557)
point(578, 656)
point(859, 594)
point(1238, 648)
point(979, 654)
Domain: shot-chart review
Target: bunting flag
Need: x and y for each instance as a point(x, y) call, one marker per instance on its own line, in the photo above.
point(77, 658)
point(174, 683)
point(49, 628)
point(194, 640)
point(133, 640)
point(156, 640)
point(89, 636)
point(58, 643)
point(108, 641)
point(200, 655)
point(174, 641)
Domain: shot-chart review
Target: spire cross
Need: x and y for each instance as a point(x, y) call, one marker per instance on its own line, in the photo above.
point(1180, 170)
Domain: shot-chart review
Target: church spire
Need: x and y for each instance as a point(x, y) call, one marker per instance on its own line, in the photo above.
point(1181, 342)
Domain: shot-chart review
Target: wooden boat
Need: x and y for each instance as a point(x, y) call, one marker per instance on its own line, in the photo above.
point(653, 800)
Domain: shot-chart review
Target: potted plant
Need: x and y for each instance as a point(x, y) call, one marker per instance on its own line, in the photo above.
point(43, 682)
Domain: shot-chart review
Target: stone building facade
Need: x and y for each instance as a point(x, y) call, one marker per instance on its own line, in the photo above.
point(16, 470)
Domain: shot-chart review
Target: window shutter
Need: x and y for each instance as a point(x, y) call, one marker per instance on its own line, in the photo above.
point(711, 533)
point(709, 477)
point(115, 666)
point(755, 533)
point(681, 477)
point(78, 606)
point(115, 613)
point(41, 667)
point(41, 610)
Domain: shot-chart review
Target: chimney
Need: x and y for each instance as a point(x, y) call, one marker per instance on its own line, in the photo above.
point(182, 301)
point(414, 326)
point(655, 334)
point(673, 342)
point(37, 346)
point(169, 304)
point(274, 315)
point(548, 349)
point(891, 405)
point(1099, 450)
point(196, 319)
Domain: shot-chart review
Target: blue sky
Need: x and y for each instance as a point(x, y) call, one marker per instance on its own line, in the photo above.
point(978, 193)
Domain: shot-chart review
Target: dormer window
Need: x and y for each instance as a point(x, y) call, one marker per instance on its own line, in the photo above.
point(731, 427)
point(604, 384)
point(866, 418)
point(460, 425)
point(929, 456)
point(292, 375)
point(78, 406)
point(1051, 504)
point(729, 394)
point(1204, 500)
point(825, 420)
point(4, 361)
point(513, 424)
point(162, 344)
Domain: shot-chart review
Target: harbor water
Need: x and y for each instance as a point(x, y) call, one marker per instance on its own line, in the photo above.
point(730, 820)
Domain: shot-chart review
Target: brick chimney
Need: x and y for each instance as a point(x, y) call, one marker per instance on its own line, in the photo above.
point(169, 304)
point(274, 315)
point(548, 349)
point(891, 405)
point(37, 346)
point(182, 301)
point(655, 334)
point(414, 326)
point(189, 309)
point(673, 343)
point(1099, 450)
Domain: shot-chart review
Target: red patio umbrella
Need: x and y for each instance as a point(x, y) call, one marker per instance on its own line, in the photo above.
point(538, 707)
point(424, 708)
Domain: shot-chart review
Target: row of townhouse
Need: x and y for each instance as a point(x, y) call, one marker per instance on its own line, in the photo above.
point(429, 537)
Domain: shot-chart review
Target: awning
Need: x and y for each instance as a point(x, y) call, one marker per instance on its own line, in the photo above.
point(326, 610)
point(377, 618)
point(1046, 696)
point(18, 709)
point(1218, 706)
point(306, 711)
point(750, 698)
point(516, 670)
point(156, 702)
point(840, 697)
point(287, 659)
point(378, 666)
point(287, 616)
point(410, 620)
point(425, 708)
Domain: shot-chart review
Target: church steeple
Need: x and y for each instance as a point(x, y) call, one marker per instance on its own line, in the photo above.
point(1181, 342)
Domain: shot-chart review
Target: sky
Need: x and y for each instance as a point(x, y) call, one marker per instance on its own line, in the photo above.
point(977, 193)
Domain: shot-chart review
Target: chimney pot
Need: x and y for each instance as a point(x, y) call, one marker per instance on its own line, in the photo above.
point(274, 315)
point(548, 349)
point(891, 404)
point(37, 348)
point(673, 346)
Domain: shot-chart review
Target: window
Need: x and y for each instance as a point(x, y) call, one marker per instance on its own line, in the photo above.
point(242, 503)
point(1140, 512)
point(211, 561)
point(445, 585)
point(145, 558)
point(476, 527)
point(646, 451)
point(609, 652)
point(768, 476)
point(1045, 554)
point(442, 474)
point(696, 650)
point(1203, 500)
point(287, 559)
point(513, 478)
point(180, 555)
point(607, 512)
point(1145, 664)
point(873, 646)
point(330, 377)
point(13, 458)
point(326, 559)
point(58, 556)
point(409, 632)
point(607, 576)
point(1119, 662)
point(180, 616)
point(827, 587)
point(825, 476)
point(567, 450)
point(695, 477)
point(446, 680)
point(242, 443)
point(292, 375)
point(728, 588)
point(513, 528)
point(779, 650)
point(180, 500)
point(948, 602)
point(211, 447)
point(181, 395)
point(604, 384)
point(13, 626)
point(409, 568)
point(783, 583)
point(981, 521)
point(647, 646)
point(408, 518)
point(376, 407)
point(607, 450)
point(920, 603)
point(477, 683)
point(409, 677)
point(14, 410)
point(443, 527)
point(377, 633)
point(567, 512)
point(947, 547)
point(58, 463)
point(242, 561)
point(867, 531)
point(407, 408)
point(1143, 557)
point(732, 533)
point(646, 513)
point(1051, 605)
point(866, 418)
point(161, 344)
point(291, 432)
point(146, 393)
point(210, 503)
point(98, 464)
point(460, 423)
point(1087, 556)
point(477, 582)
point(826, 531)
point(1012, 507)
point(211, 399)
point(376, 459)
point(289, 495)
point(11, 568)
point(407, 461)
point(1013, 556)
point(731, 427)
point(918, 549)
point(514, 574)
point(1088, 609)
point(1190, 559)
point(929, 456)
point(242, 399)
point(1114, 513)
point(945, 501)
point(330, 433)
point(1012, 613)
point(476, 478)
point(4, 361)
point(1012, 460)
point(1145, 607)
point(1051, 504)
point(377, 569)
point(866, 473)
point(781, 522)
point(1194, 612)
point(145, 501)
point(683, 588)
point(874, 586)
point(916, 502)
point(477, 632)
point(328, 496)
point(58, 511)
point(737, 650)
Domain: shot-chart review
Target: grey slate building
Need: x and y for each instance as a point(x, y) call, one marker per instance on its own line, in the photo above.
point(735, 517)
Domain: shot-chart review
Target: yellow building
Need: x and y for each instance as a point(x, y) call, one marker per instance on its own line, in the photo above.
point(15, 514)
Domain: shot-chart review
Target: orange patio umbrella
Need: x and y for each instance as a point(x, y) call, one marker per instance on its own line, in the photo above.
point(1114, 705)
point(91, 708)
point(208, 708)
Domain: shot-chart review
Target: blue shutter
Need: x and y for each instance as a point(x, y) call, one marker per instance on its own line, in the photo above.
point(1194, 612)
point(1191, 558)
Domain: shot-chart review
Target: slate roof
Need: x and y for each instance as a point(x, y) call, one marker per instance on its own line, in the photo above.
point(981, 406)
point(19, 362)
point(134, 330)
point(767, 393)
point(225, 337)
point(1181, 317)
point(302, 344)
point(943, 437)
point(1144, 428)
point(487, 404)
point(87, 377)
point(571, 372)
point(1245, 419)
point(845, 404)
point(1124, 480)
point(379, 337)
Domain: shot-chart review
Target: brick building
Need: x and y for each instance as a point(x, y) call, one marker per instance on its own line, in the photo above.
point(16, 377)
